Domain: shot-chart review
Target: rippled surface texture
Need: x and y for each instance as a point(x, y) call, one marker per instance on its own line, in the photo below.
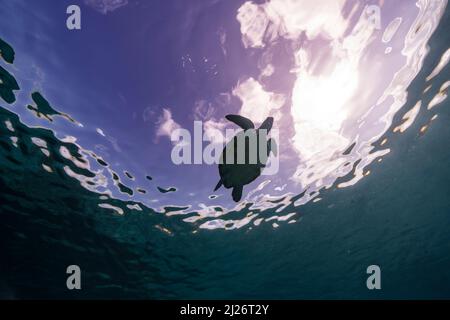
point(86, 175)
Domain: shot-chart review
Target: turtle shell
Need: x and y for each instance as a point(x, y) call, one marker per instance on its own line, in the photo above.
point(240, 162)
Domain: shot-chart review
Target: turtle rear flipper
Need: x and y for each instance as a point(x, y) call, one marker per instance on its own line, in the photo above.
point(237, 193)
point(219, 184)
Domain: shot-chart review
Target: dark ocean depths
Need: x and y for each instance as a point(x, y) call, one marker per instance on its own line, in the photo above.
point(398, 218)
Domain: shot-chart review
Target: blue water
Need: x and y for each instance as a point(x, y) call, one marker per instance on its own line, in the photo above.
point(87, 179)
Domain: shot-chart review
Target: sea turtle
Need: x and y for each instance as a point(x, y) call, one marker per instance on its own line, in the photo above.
point(237, 168)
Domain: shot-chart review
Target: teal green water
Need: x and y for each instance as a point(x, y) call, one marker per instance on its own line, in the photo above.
point(398, 218)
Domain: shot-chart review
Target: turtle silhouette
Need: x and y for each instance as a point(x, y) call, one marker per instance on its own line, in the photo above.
point(245, 155)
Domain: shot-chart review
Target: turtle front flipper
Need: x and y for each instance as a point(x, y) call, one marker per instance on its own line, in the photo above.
point(241, 121)
point(267, 124)
point(237, 193)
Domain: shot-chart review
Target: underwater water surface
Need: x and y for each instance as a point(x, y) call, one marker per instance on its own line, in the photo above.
point(86, 174)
